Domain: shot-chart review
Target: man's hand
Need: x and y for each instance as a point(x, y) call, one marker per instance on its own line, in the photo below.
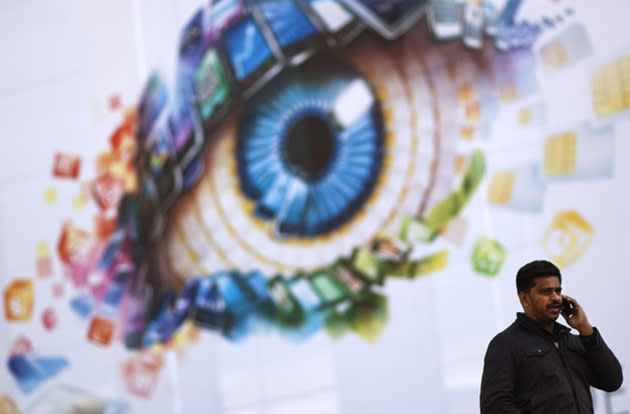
point(577, 319)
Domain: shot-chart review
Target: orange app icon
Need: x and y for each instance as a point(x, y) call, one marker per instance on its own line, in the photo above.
point(19, 299)
point(101, 331)
point(73, 243)
point(8, 406)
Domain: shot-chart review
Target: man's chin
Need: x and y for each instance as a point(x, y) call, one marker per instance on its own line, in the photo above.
point(553, 314)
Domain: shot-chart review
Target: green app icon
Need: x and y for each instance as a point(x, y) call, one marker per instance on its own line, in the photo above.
point(414, 230)
point(287, 312)
point(328, 287)
point(211, 84)
point(487, 256)
point(368, 265)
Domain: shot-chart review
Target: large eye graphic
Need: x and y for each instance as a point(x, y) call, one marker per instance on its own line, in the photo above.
point(302, 156)
point(321, 160)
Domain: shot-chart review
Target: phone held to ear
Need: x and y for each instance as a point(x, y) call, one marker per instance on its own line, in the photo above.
point(567, 307)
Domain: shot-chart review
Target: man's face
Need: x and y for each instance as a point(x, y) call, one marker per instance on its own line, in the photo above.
point(544, 300)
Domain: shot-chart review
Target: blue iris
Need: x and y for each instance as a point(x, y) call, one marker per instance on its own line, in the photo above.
point(308, 164)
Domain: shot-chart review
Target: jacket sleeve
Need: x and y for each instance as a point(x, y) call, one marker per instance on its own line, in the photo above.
point(605, 369)
point(498, 379)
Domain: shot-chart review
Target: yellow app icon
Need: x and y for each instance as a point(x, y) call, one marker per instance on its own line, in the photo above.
point(525, 116)
point(567, 237)
point(560, 154)
point(610, 85)
point(501, 187)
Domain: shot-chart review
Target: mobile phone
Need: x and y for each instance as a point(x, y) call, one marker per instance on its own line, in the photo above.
point(250, 54)
point(444, 18)
point(162, 164)
point(293, 30)
point(340, 23)
point(473, 26)
point(567, 307)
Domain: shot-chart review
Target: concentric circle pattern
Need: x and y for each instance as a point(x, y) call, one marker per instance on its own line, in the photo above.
point(229, 220)
point(310, 149)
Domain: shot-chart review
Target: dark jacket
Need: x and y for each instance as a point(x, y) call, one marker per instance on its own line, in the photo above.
point(525, 372)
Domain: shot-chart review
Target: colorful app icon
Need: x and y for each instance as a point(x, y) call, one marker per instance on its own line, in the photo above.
point(567, 237)
point(19, 300)
point(488, 256)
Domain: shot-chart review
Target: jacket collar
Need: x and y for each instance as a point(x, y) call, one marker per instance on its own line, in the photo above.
point(528, 323)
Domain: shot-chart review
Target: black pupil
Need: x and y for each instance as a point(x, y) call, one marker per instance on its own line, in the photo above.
point(308, 147)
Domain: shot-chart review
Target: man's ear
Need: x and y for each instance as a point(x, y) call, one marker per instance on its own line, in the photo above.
point(522, 296)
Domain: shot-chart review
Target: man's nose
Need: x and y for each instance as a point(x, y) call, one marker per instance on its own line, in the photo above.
point(557, 296)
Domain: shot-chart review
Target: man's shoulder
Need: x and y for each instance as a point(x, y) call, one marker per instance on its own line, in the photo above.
point(510, 332)
point(505, 344)
point(511, 336)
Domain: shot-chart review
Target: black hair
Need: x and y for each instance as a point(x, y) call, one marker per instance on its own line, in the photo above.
point(538, 268)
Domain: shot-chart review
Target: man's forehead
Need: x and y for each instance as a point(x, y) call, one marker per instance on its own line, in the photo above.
point(547, 281)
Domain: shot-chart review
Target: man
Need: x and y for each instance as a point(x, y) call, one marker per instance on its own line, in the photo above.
point(536, 366)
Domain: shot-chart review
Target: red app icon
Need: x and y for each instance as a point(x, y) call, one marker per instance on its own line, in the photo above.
point(66, 165)
point(21, 346)
point(114, 102)
point(104, 225)
point(107, 191)
point(49, 319)
point(141, 373)
point(44, 266)
point(57, 290)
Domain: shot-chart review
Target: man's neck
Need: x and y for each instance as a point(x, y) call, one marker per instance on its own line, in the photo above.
point(548, 326)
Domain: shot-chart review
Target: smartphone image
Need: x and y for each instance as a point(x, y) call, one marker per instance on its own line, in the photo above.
point(294, 32)
point(341, 25)
point(250, 54)
point(567, 307)
point(153, 100)
point(444, 18)
point(473, 25)
point(162, 166)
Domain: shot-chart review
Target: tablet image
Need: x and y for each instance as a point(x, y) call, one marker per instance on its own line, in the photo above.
point(250, 55)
